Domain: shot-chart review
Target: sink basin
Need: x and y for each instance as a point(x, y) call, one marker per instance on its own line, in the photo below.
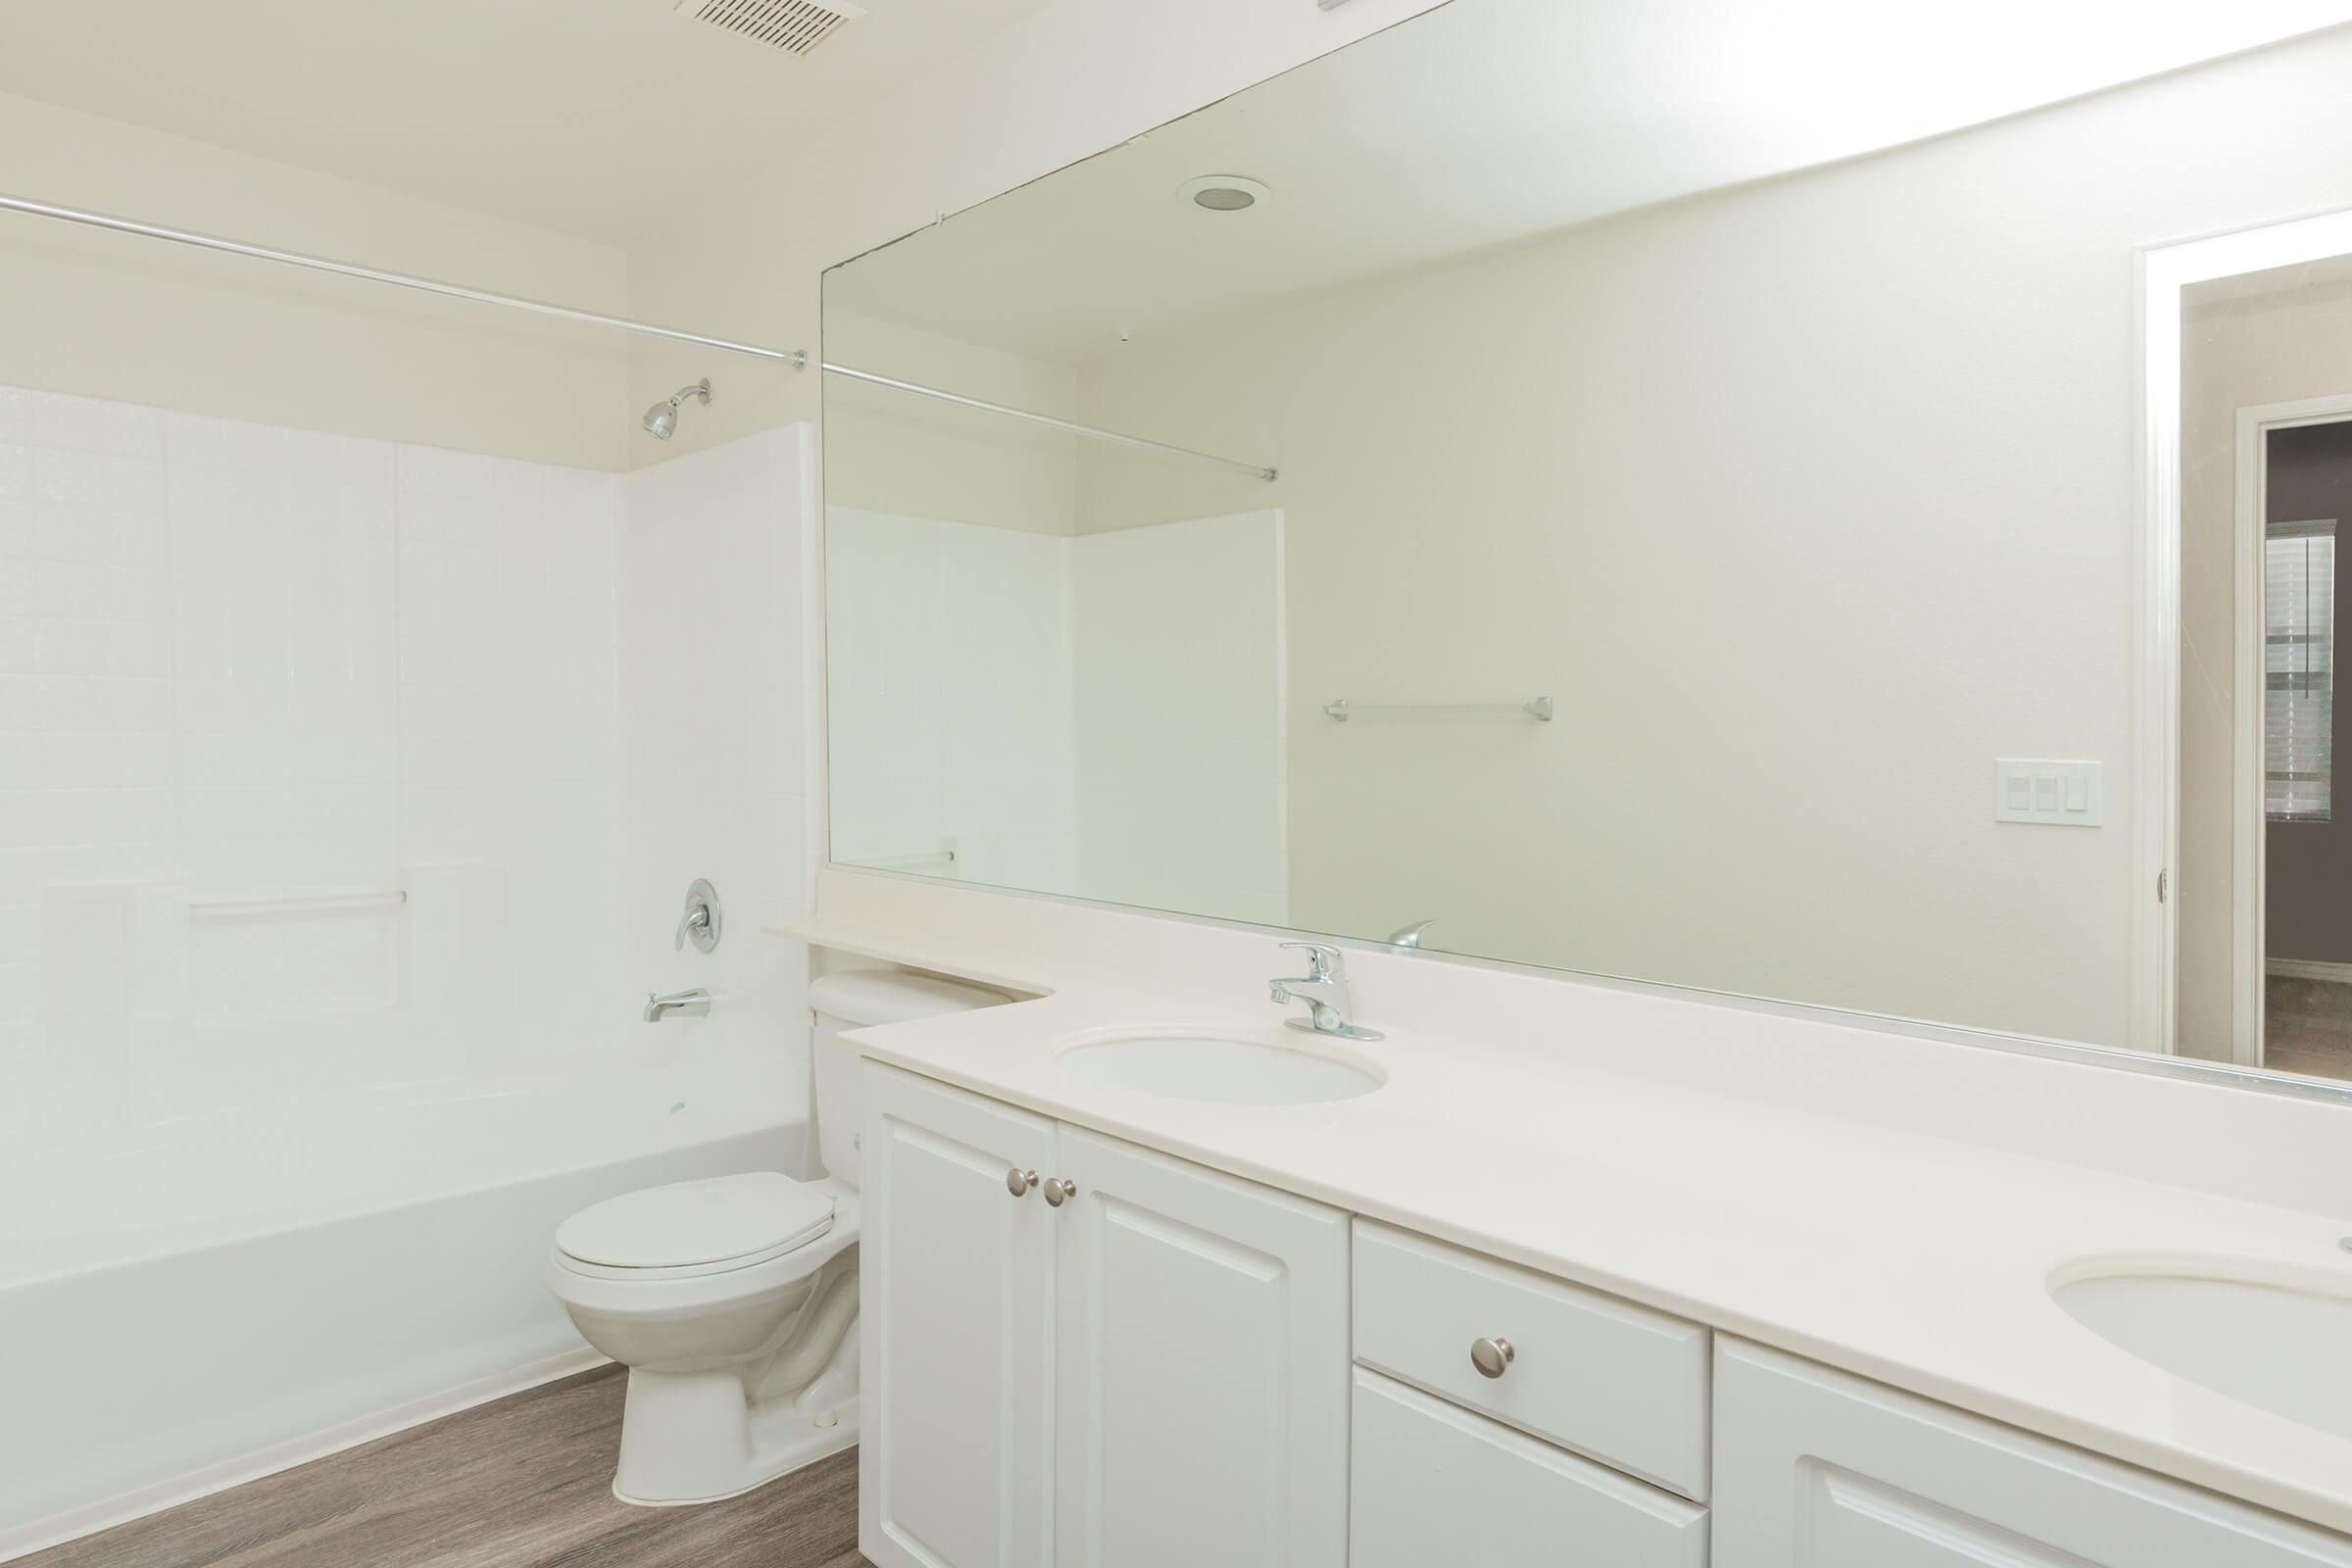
point(2282, 1349)
point(1231, 1072)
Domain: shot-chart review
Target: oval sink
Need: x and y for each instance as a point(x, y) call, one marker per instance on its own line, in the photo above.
point(2285, 1350)
point(1232, 1072)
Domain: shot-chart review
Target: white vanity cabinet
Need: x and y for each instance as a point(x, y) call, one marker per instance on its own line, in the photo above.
point(1080, 1353)
point(1816, 1469)
point(1516, 1421)
point(955, 1309)
point(1085, 1355)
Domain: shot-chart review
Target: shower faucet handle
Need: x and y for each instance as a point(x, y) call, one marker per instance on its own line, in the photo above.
point(700, 924)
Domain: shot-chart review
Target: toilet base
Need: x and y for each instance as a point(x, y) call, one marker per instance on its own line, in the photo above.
point(692, 1437)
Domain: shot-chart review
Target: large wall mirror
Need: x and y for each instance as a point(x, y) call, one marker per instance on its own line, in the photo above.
point(1659, 491)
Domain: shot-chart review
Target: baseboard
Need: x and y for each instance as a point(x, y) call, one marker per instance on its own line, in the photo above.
point(91, 1518)
point(2310, 969)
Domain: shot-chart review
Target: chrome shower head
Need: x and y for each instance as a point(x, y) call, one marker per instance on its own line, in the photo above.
point(662, 419)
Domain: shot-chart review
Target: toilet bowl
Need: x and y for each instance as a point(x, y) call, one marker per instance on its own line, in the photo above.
point(733, 1301)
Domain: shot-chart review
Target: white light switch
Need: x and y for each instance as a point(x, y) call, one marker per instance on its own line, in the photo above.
point(2060, 794)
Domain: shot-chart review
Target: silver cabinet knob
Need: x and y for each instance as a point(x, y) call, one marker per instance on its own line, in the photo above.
point(1059, 1192)
point(1018, 1182)
point(1493, 1357)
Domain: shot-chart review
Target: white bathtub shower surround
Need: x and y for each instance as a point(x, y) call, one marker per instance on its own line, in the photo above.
point(1894, 1207)
point(272, 1288)
point(1117, 665)
point(250, 672)
point(321, 955)
point(717, 589)
point(924, 739)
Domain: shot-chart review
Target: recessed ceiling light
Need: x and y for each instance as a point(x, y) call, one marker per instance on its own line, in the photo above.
point(1223, 193)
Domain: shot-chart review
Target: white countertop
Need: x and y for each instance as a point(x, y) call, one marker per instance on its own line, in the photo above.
point(1914, 1258)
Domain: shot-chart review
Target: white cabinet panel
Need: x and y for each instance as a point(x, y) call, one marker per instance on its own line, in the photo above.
point(1815, 1469)
point(1604, 1377)
point(1437, 1485)
point(956, 1285)
point(1201, 1368)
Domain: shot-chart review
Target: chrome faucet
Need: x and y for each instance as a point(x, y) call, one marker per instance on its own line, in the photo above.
point(1409, 938)
point(1323, 989)
point(695, 1004)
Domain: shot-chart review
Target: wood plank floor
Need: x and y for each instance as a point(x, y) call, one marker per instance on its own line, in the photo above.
point(524, 1482)
point(2307, 1026)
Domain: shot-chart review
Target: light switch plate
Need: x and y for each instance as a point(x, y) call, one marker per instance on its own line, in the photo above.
point(2053, 794)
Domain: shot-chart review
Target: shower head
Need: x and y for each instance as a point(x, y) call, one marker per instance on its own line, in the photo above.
point(663, 418)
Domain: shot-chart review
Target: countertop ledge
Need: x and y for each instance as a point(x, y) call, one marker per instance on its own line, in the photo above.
point(1913, 1259)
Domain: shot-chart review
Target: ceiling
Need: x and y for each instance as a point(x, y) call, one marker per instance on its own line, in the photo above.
point(600, 119)
point(1491, 120)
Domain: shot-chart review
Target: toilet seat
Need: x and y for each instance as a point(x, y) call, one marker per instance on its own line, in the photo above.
point(691, 1229)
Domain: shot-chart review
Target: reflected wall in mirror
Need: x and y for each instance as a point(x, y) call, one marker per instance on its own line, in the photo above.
point(1702, 542)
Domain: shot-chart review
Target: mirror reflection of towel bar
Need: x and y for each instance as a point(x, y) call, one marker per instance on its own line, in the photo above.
point(295, 904)
point(1344, 708)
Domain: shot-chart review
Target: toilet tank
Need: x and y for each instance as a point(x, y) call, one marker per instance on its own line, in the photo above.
point(854, 1000)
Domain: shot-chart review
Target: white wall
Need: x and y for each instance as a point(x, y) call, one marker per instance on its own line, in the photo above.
point(146, 323)
point(717, 588)
point(243, 662)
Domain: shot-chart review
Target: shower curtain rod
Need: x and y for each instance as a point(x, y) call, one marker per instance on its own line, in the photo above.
point(1068, 427)
point(798, 358)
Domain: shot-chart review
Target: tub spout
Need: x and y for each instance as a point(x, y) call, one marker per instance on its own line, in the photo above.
point(695, 1004)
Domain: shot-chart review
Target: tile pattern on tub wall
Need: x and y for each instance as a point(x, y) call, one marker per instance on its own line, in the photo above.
point(87, 809)
point(950, 666)
point(510, 705)
point(211, 687)
point(713, 576)
point(287, 711)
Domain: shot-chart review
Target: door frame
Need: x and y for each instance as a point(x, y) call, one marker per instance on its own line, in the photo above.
point(2249, 822)
point(2167, 270)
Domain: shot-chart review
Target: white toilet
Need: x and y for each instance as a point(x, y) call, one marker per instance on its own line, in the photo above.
point(733, 1301)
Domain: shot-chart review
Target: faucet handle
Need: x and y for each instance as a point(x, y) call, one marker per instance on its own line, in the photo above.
point(1321, 958)
point(700, 923)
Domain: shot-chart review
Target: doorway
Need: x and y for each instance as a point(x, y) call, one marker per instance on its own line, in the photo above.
point(2291, 971)
point(2254, 881)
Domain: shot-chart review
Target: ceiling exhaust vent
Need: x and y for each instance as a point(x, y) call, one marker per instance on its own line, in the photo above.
point(795, 26)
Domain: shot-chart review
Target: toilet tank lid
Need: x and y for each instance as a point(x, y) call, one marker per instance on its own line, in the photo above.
point(894, 996)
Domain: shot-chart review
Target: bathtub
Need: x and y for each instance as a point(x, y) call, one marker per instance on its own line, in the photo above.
point(189, 1306)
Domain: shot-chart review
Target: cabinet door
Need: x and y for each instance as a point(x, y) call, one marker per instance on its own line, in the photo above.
point(1201, 1368)
point(956, 1281)
point(1814, 1469)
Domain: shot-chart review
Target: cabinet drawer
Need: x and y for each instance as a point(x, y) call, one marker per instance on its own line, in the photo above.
point(1615, 1381)
point(1433, 1483)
